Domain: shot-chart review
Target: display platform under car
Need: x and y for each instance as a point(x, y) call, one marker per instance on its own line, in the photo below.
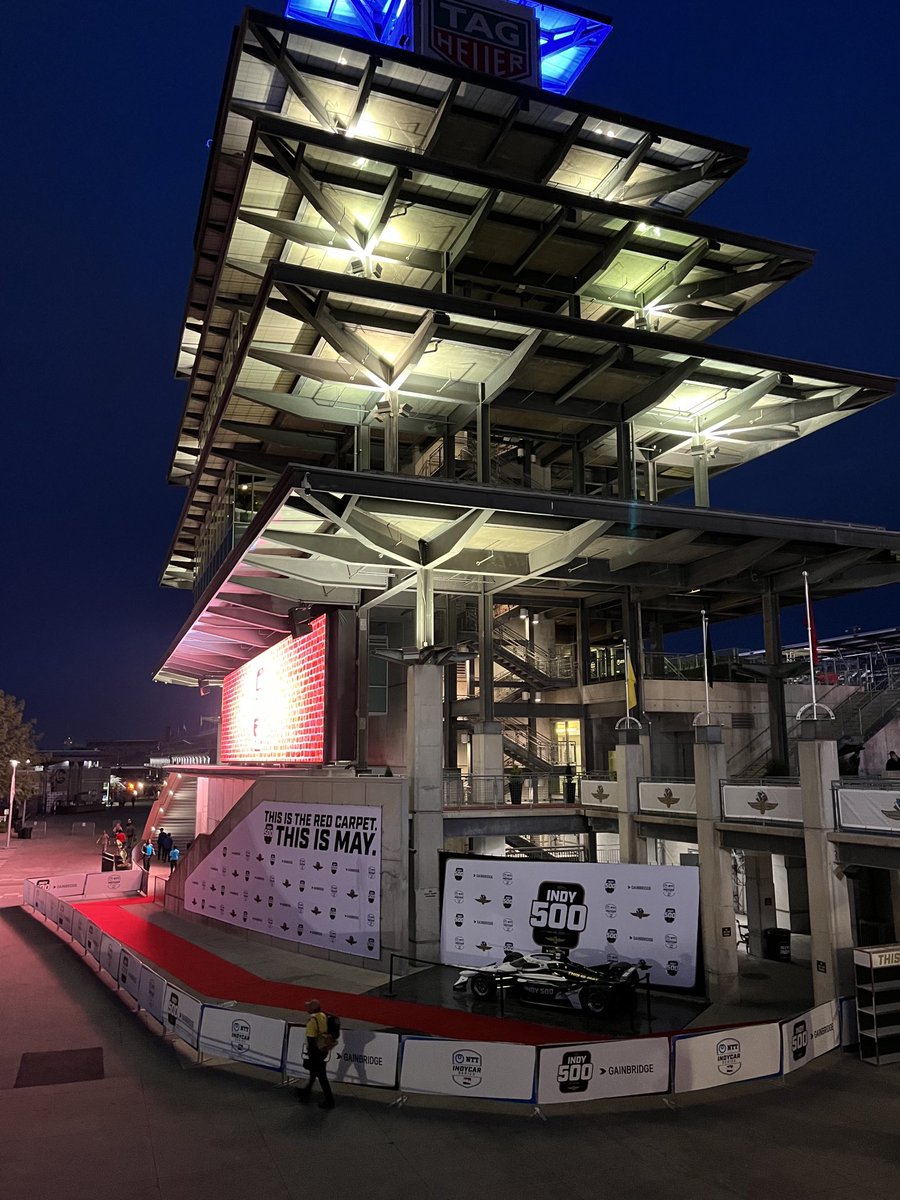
point(608, 990)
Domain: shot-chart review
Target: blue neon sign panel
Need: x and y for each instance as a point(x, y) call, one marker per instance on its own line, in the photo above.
point(567, 40)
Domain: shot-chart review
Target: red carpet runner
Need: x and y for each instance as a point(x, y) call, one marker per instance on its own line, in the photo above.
point(209, 975)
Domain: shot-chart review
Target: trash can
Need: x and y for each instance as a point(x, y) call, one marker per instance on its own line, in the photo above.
point(107, 862)
point(776, 944)
point(24, 831)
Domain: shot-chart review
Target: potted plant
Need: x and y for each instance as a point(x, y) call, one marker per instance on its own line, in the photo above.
point(515, 781)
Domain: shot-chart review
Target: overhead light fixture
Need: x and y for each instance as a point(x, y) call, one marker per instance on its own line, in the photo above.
point(383, 407)
point(406, 410)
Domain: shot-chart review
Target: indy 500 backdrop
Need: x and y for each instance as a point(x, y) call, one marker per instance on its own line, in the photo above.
point(303, 872)
point(596, 912)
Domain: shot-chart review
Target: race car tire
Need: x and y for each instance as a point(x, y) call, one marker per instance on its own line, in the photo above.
point(595, 1000)
point(483, 987)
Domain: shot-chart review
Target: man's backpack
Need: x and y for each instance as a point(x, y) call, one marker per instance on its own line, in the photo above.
point(329, 1038)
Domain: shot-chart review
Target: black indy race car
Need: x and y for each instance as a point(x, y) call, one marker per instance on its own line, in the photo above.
point(607, 990)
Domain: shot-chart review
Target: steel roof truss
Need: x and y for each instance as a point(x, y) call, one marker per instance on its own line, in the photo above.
point(278, 57)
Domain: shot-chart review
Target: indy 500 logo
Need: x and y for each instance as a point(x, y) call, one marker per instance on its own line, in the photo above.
point(575, 1071)
point(558, 915)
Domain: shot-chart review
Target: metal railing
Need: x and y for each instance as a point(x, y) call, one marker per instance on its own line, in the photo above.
point(526, 788)
point(553, 666)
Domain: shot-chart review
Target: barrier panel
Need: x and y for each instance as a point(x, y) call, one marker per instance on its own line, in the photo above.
point(603, 1070)
point(106, 883)
point(51, 908)
point(363, 1057)
point(66, 917)
point(183, 1014)
point(79, 928)
point(129, 976)
point(60, 885)
point(28, 890)
point(242, 1036)
point(40, 900)
point(492, 1070)
point(152, 993)
point(809, 1035)
point(708, 1060)
point(110, 950)
point(778, 804)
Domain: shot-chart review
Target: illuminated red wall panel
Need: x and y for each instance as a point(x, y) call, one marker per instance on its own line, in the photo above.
point(273, 708)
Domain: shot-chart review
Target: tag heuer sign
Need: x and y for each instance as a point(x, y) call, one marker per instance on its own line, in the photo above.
point(491, 36)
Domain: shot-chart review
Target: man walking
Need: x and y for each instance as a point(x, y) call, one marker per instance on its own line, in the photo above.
point(317, 1055)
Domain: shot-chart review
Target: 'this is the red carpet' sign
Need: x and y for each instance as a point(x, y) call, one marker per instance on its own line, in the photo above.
point(273, 708)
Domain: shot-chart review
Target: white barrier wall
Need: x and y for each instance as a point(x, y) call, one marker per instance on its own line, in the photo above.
point(152, 994)
point(603, 1070)
point(809, 1035)
point(676, 798)
point(492, 1070)
point(365, 1057)
point(182, 1015)
point(727, 1056)
point(774, 805)
point(244, 1036)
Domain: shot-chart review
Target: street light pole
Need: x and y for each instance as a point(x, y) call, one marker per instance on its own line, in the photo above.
point(13, 762)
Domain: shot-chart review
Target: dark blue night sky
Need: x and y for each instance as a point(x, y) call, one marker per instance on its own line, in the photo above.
point(107, 110)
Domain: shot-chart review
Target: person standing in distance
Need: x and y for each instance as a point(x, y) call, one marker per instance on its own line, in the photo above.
point(316, 1034)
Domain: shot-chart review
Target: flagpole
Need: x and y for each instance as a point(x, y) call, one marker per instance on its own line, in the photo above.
point(705, 660)
point(627, 699)
point(809, 642)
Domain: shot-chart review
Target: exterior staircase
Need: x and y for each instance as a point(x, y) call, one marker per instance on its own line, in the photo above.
point(175, 810)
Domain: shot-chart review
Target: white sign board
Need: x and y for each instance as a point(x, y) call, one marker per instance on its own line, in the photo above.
point(62, 885)
point(65, 917)
point(741, 802)
point(492, 1070)
point(809, 1035)
point(130, 974)
point(726, 1056)
point(361, 1056)
point(92, 938)
point(113, 883)
point(674, 798)
point(182, 1015)
point(599, 791)
point(110, 950)
point(152, 994)
point(597, 912)
point(79, 927)
point(599, 1070)
point(859, 808)
point(244, 1036)
point(306, 873)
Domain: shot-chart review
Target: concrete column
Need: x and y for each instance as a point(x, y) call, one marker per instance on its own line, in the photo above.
point(717, 923)
point(362, 690)
point(487, 748)
point(629, 767)
point(424, 746)
point(760, 885)
point(830, 922)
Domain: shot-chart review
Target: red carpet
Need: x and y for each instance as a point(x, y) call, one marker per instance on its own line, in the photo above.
point(210, 975)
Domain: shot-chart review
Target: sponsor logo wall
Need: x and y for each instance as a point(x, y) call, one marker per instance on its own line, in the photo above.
point(770, 804)
point(808, 1036)
point(726, 1056)
point(675, 798)
point(493, 1070)
point(490, 36)
point(302, 872)
point(597, 912)
point(859, 808)
point(600, 1070)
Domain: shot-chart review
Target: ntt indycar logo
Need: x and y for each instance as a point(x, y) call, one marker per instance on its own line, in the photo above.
point(465, 1068)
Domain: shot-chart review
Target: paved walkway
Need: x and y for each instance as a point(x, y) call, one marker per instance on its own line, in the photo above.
point(157, 1126)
